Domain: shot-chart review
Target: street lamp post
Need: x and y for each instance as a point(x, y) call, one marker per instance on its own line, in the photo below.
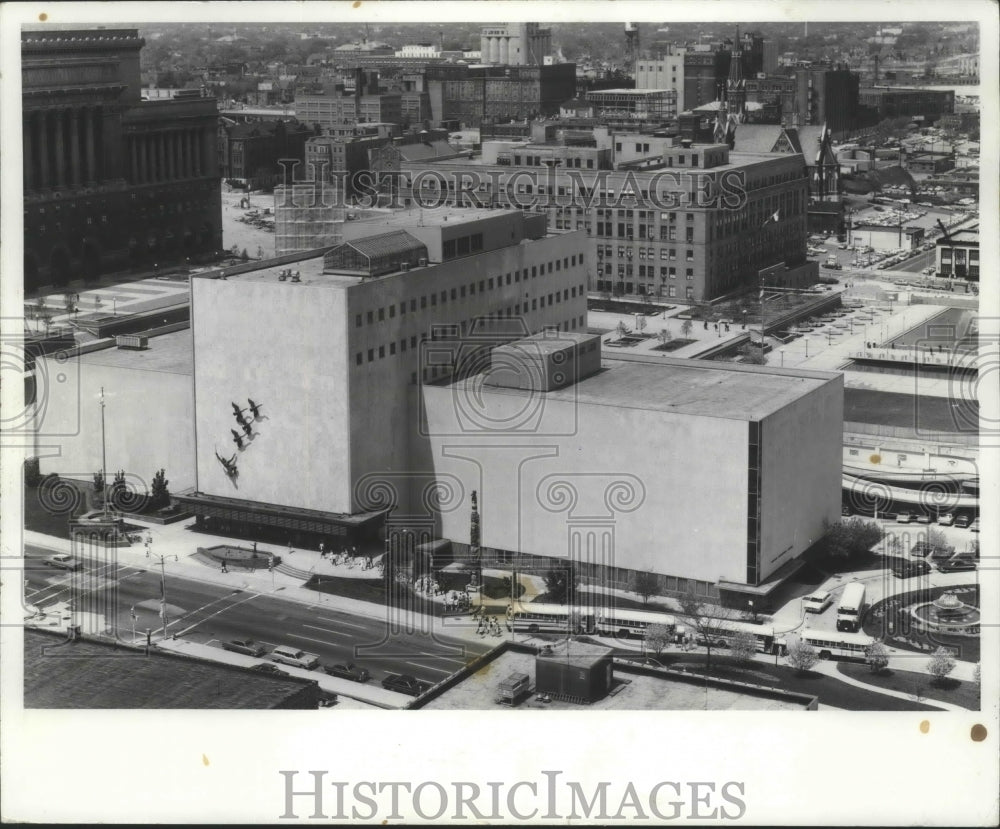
point(104, 461)
point(163, 590)
point(781, 351)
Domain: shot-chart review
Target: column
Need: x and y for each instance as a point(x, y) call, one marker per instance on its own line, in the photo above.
point(505, 50)
point(210, 157)
point(76, 170)
point(182, 139)
point(168, 146)
point(161, 157)
point(133, 159)
point(90, 125)
point(193, 152)
point(60, 136)
point(29, 161)
point(43, 149)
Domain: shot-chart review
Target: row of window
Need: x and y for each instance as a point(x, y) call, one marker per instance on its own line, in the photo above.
point(444, 332)
point(459, 292)
point(650, 289)
point(644, 253)
point(645, 271)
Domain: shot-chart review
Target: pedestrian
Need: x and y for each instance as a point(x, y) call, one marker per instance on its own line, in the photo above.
point(225, 569)
point(255, 548)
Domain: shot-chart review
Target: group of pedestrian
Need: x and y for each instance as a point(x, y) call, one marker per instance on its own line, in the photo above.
point(488, 625)
point(457, 600)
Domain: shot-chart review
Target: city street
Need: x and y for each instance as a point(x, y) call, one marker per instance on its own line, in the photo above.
point(211, 614)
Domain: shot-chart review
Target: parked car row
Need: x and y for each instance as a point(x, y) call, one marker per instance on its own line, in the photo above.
point(946, 520)
point(297, 658)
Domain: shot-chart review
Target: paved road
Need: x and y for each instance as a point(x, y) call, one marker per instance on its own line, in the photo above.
point(922, 260)
point(211, 614)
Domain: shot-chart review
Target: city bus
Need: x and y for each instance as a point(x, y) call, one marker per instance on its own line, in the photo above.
point(851, 607)
point(624, 624)
point(536, 617)
point(838, 645)
point(722, 631)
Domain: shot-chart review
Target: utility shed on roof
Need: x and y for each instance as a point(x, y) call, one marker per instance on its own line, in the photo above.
point(376, 255)
point(575, 671)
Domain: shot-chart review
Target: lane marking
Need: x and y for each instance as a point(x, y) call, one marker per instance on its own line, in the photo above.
point(211, 615)
point(429, 668)
point(328, 630)
point(342, 622)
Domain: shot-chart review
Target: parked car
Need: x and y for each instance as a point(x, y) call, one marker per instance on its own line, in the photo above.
point(817, 602)
point(245, 646)
point(293, 656)
point(405, 684)
point(962, 561)
point(962, 521)
point(906, 569)
point(940, 554)
point(921, 548)
point(63, 561)
point(946, 520)
point(269, 668)
point(352, 672)
point(974, 526)
point(924, 518)
point(903, 518)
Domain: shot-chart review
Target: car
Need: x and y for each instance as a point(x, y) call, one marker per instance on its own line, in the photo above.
point(962, 521)
point(974, 526)
point(269, 668)
point(245, 646)
point(906, 569)
point(946, 520)
point(903, 518)
point(923, 518)
point(296, 658)
point(405, 684)
point(939, 554)
point(928, 271)
point(817, 602)
point(958, 562)
point(351, 671)
point(921, 548)
point(63, 561)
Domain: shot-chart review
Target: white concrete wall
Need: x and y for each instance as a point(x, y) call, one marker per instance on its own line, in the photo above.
point(147, 422)
point(284, 345)
point(689, 473)
point(801, 473)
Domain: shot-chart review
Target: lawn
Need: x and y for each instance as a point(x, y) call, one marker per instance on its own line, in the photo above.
point(829, 690)
point(672, 345)
point(950, 690)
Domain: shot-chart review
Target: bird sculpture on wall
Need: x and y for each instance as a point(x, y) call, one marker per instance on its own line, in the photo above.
point(237, 438)
point(237, 412)
point(254, 407)
point(229, 465)
point(247, 428)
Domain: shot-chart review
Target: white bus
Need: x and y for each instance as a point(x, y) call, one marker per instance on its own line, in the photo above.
point(851, 607)
point(535, 617)
point(722, 631)
point(623, 623)
point(838, 645)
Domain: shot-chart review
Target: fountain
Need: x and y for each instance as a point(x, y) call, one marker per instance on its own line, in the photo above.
point(947, 614)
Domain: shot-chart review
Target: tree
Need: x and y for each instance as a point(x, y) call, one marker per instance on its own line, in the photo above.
point(118, 489)
point(752, 355)
point(851, 538)
point(244, 255)
point(704, 619)
point(640, 323)
point(99, 482)
point(645, 585)
point(159, 494)
point(877, 657)
point(560, 583)
point(664, 336)
point(802, 656)
point(686, 327)
point(620, 329)
point(69, 299)
point(744, 647)
point(657, 638)
point(941, 663)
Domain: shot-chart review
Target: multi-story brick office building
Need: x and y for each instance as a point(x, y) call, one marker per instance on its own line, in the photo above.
point(110, 181)
point(691, 222)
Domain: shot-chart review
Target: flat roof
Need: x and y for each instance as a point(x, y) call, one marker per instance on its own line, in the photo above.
point(630, 691)
point(437, 216)
point(547, 342)
point(688, 387)
point(627, 91)
point(91, 674)
point(170, 353)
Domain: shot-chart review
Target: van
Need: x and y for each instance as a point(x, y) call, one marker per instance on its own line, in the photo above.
point(293, 656)
point(817, 602)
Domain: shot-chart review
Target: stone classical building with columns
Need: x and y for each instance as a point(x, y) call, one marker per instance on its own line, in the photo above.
point(515, 44)
point(110, 181)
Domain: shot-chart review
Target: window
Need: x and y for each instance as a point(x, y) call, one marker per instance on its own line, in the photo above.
point(402, 345)
point(392, 311)
point(358, 359)
point(444, 297)
point(381, 351)
point(371, 317)
point(423, 302)
point(413, 341)
point(413, 305)
point(392, 348)
point(491, 283)
point(434, 300)
point(689, 256)
point(454, 294)
point(357, 320)
point(371, 354)
point(689, 273)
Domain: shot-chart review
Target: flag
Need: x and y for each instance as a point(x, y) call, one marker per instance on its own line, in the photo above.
point(774, 218)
